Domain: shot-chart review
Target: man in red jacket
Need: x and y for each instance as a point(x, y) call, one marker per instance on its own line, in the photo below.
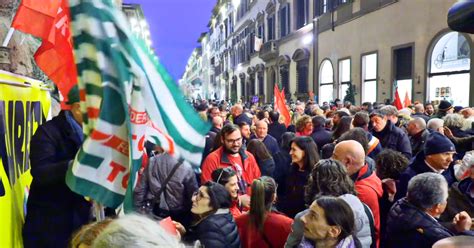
point(367, 184)
point(231, 154)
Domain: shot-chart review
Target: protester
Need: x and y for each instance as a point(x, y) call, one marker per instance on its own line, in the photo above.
point(227, 177)
point(418, 134)
point(368, 186)
point(304, 155)
point(329, 223)
point(420, 112)
point(175, 199)
point(343, 126)
point(429, 109)
point(135, 231)
point(264, 159)
point(230, 154)
point(444, 108)
point(54, 211)
point(261, 226)
point(337, 117)
point(215, 226)
point(329, 178)
point(412, 220)
point(455, 123)
point(437, 157)
point(362, 120)
point(275, 128)
point(320, 135)
point(246, 133)
point(390, 136)
point(304, 126)
point(261, 133)
point(283, 162)
point(239, 116)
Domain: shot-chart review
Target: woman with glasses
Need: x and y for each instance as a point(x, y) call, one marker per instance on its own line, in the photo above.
point(227, 177)
point(262, 227)
point(214, 225)
point(304, 155)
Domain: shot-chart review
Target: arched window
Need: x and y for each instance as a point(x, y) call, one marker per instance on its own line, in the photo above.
point(449, 67)
point(326, 82)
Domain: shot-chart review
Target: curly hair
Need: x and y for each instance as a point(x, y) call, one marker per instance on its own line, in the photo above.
point(390, 164)
point(328, 178)
point(301, 122)
point(454, 120)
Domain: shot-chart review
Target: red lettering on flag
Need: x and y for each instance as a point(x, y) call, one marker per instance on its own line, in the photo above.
point(116, 169)
point(138, 117)
point(111, 141)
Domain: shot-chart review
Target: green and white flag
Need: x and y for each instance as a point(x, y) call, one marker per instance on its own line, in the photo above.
point(126, 97)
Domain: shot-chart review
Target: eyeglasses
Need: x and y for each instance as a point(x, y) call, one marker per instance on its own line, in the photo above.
point(199, 195)
point(233, 141)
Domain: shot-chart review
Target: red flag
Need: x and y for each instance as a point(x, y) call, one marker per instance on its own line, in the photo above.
point(276, 92)
point(280, 105)
point(407, 101)
point(49, 20)
point(397, 102)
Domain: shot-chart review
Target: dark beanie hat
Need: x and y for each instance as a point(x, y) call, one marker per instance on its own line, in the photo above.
point(438, 143)
point(444, 106)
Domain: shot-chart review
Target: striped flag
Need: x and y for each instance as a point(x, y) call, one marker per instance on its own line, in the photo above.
point(127, 98)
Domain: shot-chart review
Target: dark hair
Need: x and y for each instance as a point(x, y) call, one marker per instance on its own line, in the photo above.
point(222, 175)
point(263, 190)
point(358, 134)
point(219, 197)
point(318, 121)
point(242, 124)
point(311, 156)
point(361, 119)
point(378, 113)
point(261, 114)
point(274, 116)
point(338, 213)
point(328, 178)
point(341, 113)
point(228, 129)
point(327, 150)
point(390, 164)
point(343, 126)
point(258, 150)
point(286, 139)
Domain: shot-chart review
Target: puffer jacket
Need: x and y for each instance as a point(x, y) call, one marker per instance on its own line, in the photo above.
point(361, 220)
point(392, 137)
point(408, 226)
point(179, 190)
point(216, 231)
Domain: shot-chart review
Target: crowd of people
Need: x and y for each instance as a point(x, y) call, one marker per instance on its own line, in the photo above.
point(338, 176)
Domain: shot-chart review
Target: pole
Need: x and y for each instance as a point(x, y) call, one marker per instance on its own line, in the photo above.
point(8, 37)
point(99, 211)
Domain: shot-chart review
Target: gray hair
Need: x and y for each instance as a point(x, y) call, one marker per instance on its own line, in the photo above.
point(135, 231)
point(435, 124)
point(454, 120)
point(427, 189)
point(389, 110)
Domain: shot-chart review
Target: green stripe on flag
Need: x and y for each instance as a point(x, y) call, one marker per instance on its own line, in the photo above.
point(89, 159)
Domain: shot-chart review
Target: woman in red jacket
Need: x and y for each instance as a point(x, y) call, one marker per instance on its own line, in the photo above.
point(261, 227)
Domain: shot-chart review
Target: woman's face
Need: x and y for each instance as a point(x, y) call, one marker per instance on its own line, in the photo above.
point(308, 128)
point(201, 201)
point(297, 154)
point(232, 187)
point(315, 225)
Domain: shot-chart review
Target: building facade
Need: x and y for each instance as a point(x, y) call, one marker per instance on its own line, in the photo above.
point(328, 46)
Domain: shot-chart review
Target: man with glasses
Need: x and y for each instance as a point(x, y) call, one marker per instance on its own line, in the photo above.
point(231, 154)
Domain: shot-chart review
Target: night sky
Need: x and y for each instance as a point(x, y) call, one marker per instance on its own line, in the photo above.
point(175, 26)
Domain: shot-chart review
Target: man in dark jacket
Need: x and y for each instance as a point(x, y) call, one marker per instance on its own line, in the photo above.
point(412, 220)
point(437, 156)
point(320, 135)
point(54, 212)
point(420, 112)
point(261, 133)
point(390, 136)
point(276, 129)
point(239, 116)
point(418, 133)
point(444, 108)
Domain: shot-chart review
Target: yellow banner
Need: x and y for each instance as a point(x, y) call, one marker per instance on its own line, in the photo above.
point(24, 105)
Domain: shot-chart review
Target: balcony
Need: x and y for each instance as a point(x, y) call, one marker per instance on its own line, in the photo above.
point(269, 51)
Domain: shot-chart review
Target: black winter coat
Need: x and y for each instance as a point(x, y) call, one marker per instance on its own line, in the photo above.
point(216, 231)
point(54, 212)
point(392, 137)
point(417, 166)
point(407, 226)
point(276, 130)
point(321, 137)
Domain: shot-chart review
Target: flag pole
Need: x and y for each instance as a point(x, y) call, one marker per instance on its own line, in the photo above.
point(8, 37)
point(99, 211)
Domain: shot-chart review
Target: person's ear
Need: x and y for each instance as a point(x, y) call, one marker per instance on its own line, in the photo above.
point(334, 231)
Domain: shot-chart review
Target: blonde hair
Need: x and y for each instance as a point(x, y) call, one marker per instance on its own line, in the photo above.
point(88, 233)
